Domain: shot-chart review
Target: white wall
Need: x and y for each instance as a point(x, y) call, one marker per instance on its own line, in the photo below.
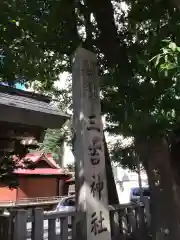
point(68, 157)
point(125, 180)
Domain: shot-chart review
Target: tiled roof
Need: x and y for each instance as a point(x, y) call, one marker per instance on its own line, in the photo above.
point(20, 92)
point(35, 157)
point(18, 106)
point(29, 104)
point(54, 168)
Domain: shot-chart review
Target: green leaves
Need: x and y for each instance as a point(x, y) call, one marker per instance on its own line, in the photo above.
point(126, 156)
point(29, 33)
point(140, 96)
point(168, 58)
point(172, 46)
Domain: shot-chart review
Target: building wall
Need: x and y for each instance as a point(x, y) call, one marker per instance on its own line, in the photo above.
point(68, 157)
point(30, 187)
point(125, 181)
point(7, 194)
point(22, 192)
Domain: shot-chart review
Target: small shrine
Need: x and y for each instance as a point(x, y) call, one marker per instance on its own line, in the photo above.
point(23, 120)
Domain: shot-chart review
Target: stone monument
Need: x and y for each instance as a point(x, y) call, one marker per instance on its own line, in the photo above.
point(91, 181)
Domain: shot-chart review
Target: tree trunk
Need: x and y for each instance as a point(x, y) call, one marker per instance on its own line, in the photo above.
point(155, 156)
point(175, 156)
point(111, 186)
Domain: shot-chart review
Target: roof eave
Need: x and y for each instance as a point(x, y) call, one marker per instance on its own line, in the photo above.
point(33, 118)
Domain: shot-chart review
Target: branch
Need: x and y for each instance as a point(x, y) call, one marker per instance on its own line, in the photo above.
point(108, 42)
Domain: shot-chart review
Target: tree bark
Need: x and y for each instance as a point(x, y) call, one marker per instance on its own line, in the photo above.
point(175, 156)
point(111, 186)
point(155, 156)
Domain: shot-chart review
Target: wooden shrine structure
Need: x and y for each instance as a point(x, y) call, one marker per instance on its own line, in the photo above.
point(24, 118)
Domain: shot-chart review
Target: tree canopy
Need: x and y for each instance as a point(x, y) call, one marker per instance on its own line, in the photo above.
point(46, 33)
point(139, 72)
point(38, 39)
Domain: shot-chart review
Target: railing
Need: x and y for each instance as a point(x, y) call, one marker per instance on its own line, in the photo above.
point(127, 222)
point(44, 226)
point(30, 201)
point(130, 221)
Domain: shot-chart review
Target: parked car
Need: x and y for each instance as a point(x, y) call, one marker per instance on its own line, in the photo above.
point(135, 194)
point(65, 204)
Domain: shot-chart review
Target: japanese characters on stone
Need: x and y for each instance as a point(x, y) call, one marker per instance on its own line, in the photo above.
point(89, 71)
point(91, 178)
point(95, 148)
point(91, 85)
point(97, 223)
point(93, 124)
point(97, 186)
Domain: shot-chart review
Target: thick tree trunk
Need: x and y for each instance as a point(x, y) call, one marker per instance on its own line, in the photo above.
point(112, 191)
point(175, 163)
point(154, 153)
point(111, 186)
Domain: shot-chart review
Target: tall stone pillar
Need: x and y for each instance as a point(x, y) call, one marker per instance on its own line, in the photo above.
point(91, 181)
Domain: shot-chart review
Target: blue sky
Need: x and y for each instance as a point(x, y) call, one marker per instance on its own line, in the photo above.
point(20, 86)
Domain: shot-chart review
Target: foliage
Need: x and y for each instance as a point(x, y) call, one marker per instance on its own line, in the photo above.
point(55, 138)
point(145, 103)
point(71, 167)
point(8, 164)
point(167, 63)
point(140, 100)
point(125, 156)
point(168, 60)
point(137, 99)
point(54, 142)
point(33, 39)
point(60, 96)
point(140, 93)
point(7, 167)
